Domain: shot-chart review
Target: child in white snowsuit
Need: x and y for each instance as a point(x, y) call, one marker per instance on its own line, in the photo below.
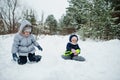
point(72, 49)
point(23, 45)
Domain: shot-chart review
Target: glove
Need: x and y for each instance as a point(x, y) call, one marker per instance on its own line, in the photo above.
point(15, 58)
point(39, 48)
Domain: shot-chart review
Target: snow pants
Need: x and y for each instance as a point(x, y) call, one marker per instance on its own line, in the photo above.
point(76, 58)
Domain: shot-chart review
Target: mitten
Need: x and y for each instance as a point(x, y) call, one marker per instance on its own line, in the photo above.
point(39, 48)
point(15, 58)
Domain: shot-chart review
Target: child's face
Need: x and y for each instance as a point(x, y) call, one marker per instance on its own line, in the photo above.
point(74, 40)
point(26, 33)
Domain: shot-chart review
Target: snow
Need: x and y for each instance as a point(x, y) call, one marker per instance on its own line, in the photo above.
point(102, 60)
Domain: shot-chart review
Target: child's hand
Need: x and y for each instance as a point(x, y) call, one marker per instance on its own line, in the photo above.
point(75, 54)
point(15, 58)
point(40, 48)
point(73, 50)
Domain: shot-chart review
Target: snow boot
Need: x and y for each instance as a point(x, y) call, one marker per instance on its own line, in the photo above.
point(78, 58)
point(38, 58)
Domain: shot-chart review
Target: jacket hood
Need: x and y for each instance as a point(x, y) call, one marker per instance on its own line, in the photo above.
point(22, 25)
point(71, 36)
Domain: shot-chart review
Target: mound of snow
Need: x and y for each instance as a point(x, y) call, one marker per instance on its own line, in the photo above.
point(102, 61)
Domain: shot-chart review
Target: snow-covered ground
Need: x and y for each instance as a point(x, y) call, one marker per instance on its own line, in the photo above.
point(102, 61)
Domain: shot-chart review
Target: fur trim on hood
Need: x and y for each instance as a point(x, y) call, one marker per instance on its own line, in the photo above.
point(71, 36)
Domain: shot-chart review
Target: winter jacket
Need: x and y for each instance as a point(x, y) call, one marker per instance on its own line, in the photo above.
point(24, 45)
point(71, 46)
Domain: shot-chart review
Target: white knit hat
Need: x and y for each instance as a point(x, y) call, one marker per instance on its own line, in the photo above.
point(27, 29)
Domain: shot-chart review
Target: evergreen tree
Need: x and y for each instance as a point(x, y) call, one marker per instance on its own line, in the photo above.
point(115, 5)
point(76, 12)
point(93, 17)
point(30, 16)
point(52, 23)
point(101, 21)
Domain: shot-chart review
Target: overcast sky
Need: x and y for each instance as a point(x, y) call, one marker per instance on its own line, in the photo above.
point(55, 7)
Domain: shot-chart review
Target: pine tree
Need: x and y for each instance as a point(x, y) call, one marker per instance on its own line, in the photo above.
point(30, 16)
point(52, 23)
point(93, 17)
